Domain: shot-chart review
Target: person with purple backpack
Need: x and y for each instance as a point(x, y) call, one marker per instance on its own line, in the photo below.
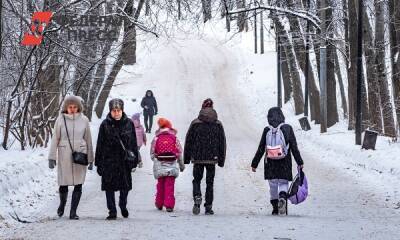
point(166, 153)
point(278, 143)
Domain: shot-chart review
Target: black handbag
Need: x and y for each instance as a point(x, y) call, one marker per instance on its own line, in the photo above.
point(130, 156)
point(78, 157)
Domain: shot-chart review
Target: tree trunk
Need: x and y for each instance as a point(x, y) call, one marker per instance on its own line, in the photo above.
point(84, 71)
point(352, 72)
point(373, 85)
point(394, 9)
point(99, 75)
point(292, 68)
point(119, 62)
point(341, 85)
point(1, 28)
point(387, 109)
point(206, 7)
point(262, 32)
point(297, 36)
point(129, 43)
point(286, 78)
point(148, 8)
point(332, 116)
point(241, 18)
point(105, 91)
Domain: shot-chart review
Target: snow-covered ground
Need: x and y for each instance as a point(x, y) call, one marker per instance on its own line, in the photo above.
point(353, 193)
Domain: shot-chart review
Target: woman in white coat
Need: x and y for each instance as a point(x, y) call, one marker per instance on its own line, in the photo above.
point(70, 173)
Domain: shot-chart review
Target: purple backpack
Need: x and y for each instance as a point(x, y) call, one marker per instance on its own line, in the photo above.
point(298, 190)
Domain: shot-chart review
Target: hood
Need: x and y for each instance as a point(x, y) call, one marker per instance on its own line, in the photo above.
point(208, 115)
point(149, 91)
point(71, 99)
point(136, 117)
point(275, 116)
point(136, 122)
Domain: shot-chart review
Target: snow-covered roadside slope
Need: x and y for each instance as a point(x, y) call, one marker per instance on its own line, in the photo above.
point(24, 184)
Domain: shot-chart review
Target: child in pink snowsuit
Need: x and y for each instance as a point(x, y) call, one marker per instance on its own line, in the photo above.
point(166, 153)
point(140, 135)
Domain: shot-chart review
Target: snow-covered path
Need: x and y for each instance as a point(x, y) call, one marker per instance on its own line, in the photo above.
point(182, 74)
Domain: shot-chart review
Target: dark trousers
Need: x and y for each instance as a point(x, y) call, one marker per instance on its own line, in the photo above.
point(198, 171)
point(123, 199)
point(148, 120)
point(64, 189)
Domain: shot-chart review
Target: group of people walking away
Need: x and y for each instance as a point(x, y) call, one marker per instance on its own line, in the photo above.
point(120, 139)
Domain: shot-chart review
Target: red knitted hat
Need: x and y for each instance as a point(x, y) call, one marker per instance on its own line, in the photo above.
point(164, 123)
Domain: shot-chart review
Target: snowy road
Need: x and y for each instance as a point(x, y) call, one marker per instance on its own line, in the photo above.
point(182, 74)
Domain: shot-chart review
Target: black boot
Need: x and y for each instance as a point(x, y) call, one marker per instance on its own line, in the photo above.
point(274, 204)
point(125, 212)
point(76, 197)
point(196, 206)
point(112, 216)
point(63, 201)
point(209, 210)
point(282, 203)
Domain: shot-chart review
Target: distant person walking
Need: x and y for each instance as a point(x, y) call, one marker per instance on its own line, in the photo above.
point(149, 105)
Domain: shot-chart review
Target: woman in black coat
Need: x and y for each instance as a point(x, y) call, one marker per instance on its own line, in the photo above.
point(278, 172)
point(149, 105)
point(111, 162)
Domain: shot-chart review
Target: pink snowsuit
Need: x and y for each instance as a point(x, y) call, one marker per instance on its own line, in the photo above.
point(165, 172)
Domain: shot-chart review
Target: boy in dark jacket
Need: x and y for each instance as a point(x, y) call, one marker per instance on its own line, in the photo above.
point(205, 146)
point(278, 171)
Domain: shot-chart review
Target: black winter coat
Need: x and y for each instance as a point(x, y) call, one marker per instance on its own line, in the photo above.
point(205, 141)
point(278, 169)
point(110, 156)
point(149, 104)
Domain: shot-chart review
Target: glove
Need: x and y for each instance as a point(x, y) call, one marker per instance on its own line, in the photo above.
point(90, 167)
point(182, 168)
point(220, 165)
point(140, 165)
point(155, 113)
point(99, 171)
point(52, 163)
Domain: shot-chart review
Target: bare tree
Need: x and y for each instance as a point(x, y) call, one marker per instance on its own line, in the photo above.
point(387, 108)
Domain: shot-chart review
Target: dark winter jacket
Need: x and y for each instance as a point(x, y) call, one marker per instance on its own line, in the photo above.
point(278, 169)
point(205, 141)
point(110, 156)
point(149, 104)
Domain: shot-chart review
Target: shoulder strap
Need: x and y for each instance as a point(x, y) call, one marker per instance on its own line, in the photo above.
point(280, 125)
point(66, 129)
point(122, 144)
